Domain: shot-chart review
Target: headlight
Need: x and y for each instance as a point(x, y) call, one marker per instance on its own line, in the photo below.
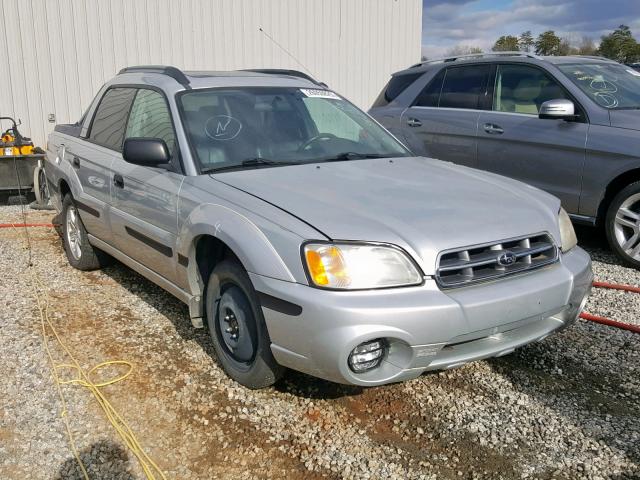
point(355, 266)
point(567, 233)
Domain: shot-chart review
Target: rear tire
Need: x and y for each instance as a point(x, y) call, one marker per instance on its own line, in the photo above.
point(622, 225)
point(80, 253)
point(237, 328)
point(40, 187)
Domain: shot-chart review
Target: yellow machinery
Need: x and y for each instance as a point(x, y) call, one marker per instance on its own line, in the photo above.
point(13, 143)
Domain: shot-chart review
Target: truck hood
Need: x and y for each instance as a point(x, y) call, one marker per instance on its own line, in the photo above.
point(422, 205)
point(625, 119)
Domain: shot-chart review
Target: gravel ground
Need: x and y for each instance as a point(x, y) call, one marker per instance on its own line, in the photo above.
point(565, 408)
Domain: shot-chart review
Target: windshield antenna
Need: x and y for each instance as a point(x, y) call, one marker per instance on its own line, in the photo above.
point(286, 51)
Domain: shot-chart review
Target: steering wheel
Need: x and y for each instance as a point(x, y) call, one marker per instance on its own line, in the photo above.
point(317, 138)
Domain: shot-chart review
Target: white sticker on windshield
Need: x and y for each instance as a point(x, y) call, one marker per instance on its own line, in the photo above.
point(633, 72)
point(319, 93)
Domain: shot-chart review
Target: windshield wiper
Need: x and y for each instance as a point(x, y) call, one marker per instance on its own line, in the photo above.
point(249, 162)
point(340, 157)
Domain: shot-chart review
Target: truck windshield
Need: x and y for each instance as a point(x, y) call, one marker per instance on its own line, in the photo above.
point(252, 127)
point(611, 85)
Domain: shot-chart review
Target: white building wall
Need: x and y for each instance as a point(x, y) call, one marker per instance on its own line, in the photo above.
point(57, 53)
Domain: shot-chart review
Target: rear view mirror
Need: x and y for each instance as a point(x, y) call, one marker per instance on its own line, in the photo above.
point(558, 109)
point(147, 152)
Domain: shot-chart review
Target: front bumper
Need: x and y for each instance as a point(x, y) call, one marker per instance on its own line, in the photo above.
point(426, 328)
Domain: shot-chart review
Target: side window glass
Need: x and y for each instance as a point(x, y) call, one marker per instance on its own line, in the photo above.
point(463, 86)
point(395, 87)
point(431, 93)
point(150, 117)
point(110, 119)
point(522, 89)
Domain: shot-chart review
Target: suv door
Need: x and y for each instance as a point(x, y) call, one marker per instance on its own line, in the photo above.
point(144, 199)
point(91, 160)
point(443, 120)
point(514, 142)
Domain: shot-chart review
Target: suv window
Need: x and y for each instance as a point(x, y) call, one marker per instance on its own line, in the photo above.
point(110, 119)
point(522, 89)
point(430, 96)
point(463, 86)
point(395, 87)
point(150, 118)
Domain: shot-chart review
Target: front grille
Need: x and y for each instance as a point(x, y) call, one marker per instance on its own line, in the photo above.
point(480, 263)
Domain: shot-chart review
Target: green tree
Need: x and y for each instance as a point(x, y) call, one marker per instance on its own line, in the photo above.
point(506, 43)
point(620, 45)
point(548, 43)
point(526, 41)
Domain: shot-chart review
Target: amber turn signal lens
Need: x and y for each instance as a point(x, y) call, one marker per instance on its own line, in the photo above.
point(316, 268)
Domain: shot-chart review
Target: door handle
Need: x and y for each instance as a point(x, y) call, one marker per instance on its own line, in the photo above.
point(414, 122)
point(493, 129)
point(118, 181)
point(75, 162)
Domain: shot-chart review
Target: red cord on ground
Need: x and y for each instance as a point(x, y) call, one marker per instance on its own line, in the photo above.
point(608, 321)
point(22, 225)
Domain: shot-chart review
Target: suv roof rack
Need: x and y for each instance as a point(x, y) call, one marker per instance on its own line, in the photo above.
point(285, 71)
point(172, 72)
point(595, 57)
point(514, 53)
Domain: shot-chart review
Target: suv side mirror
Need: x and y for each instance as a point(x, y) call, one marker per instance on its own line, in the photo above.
point(147, 152)
point(558, 109)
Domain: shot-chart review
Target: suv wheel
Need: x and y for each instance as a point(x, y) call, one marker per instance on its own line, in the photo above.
point(623, 225)
point(80, 253)
point(237, 327)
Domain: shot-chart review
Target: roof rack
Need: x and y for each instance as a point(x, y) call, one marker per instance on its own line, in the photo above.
point(284, 71)
point(514, 53)
point(595, 57)
point(172, 72)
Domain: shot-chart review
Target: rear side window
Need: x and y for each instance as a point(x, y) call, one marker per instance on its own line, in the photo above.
point(431, 94)
point(150, 118)
point(463, 86)
point(395, 87)
point(110, 119)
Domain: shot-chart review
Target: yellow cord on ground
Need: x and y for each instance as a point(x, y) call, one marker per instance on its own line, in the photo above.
point(82, 378)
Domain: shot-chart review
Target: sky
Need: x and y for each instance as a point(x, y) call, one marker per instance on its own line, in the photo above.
point(450, 23)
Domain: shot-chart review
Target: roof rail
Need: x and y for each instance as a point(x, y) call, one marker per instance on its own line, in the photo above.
point(172, 72)
point(595, 57)
point(284, 71)
point(514, 53)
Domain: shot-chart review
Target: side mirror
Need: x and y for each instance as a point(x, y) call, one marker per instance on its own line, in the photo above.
point(558, 109)
point(147, 152)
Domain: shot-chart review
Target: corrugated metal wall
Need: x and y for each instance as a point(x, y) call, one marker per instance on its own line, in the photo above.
point(55, 54)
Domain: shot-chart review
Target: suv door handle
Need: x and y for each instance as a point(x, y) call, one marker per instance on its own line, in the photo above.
point(75, 162)
point(493, 129)
point(118, 181)
point(414, 122)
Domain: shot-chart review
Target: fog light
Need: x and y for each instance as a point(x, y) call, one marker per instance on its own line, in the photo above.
point(367, 355)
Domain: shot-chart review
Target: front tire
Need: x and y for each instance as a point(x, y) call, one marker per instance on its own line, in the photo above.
point(237, 328)
point(80, 253)
point(623, 225)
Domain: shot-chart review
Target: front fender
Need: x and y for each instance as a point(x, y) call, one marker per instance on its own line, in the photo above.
point(239, 233)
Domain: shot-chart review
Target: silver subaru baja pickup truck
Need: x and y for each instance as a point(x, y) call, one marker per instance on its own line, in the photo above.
point(302, 234)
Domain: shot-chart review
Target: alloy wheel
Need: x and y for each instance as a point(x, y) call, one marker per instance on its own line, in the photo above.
point(73, 232)
point(627, 226)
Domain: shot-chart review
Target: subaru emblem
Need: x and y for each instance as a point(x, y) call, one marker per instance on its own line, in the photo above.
point(507, 258)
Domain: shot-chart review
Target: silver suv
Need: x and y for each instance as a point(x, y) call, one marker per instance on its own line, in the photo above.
point(567, 125)
point(303, 234)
